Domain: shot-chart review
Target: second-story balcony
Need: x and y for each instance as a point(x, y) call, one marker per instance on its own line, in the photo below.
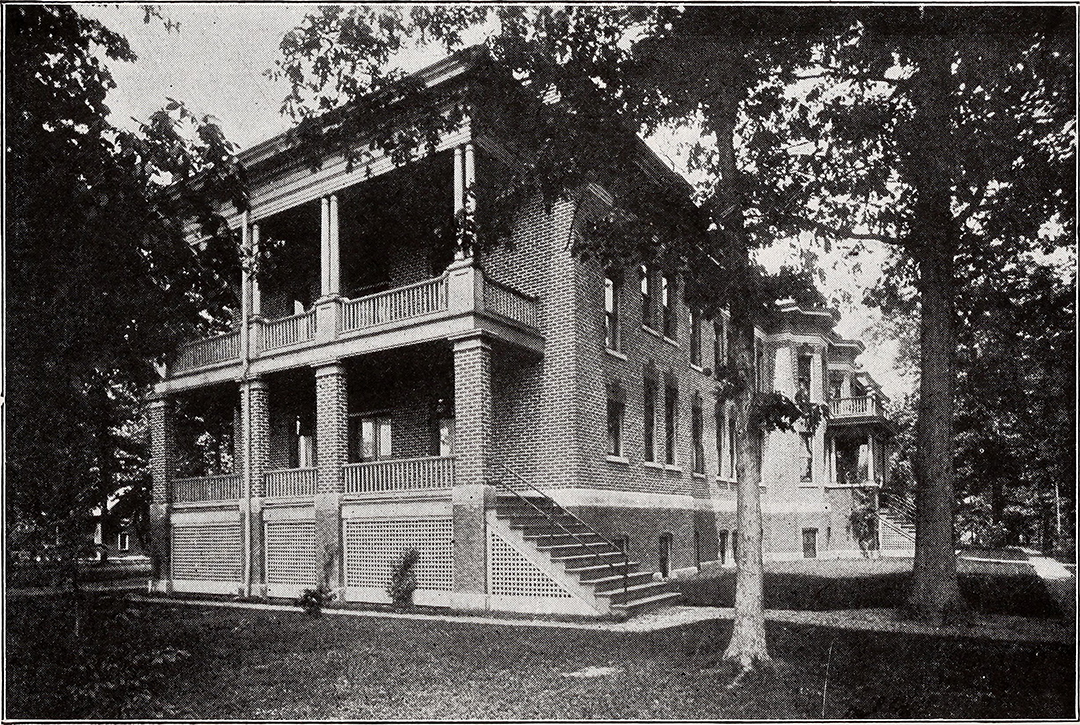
point(457, 294)
point(862, 407)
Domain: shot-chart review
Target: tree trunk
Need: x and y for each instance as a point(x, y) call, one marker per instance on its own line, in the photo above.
point(747, 648)
point(935, 594)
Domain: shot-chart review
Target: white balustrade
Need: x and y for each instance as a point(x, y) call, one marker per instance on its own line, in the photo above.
point(289, 330)
point(509, 303)
point(405, 474)
point(289, 483)
point(401, 303)
point(865, 405)
point(207, 488)
point(199, 353)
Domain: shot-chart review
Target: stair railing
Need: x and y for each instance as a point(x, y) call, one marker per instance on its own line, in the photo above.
point(555, 522)
point(894, 527)
point(900, 504)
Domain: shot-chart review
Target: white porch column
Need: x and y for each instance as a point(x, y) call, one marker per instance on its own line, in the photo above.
point(459, 200)
point(832, 460)
point(324, 247)
point(335, 248)
point(256, 290)
point(817, 375)
point(870, 472)
point(245, 287)
point(469, 199)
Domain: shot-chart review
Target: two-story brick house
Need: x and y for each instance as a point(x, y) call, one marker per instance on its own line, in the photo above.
point(545, 433)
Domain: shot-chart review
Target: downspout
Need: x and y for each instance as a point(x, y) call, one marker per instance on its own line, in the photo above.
point(245, 363)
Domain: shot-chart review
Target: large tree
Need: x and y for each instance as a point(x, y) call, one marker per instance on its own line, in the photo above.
point(567, 82)
point(947, 133)
point(101, 279)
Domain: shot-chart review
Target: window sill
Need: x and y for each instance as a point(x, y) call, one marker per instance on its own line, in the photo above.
point(615, 353)
point(695, 474)
point(699, 369)
point(654, 464)
point(618, 459)
point(672, 468)
point(670, 341)
point(651, 331)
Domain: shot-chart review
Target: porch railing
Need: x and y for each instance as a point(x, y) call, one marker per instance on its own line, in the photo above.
point(402, 303)
point(405, 474)
point(289, 330)
point(509, 303)
point(289, 483)
point(207, 488)
point(865, 405)
point(207, 352)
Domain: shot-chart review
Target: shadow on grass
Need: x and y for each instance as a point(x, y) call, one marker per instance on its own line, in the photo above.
point(215, 663)
point(1021, 595)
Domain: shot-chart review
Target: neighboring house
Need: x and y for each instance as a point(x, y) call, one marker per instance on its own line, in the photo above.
point(391, 391)
point(115, 537)
point(116, 540)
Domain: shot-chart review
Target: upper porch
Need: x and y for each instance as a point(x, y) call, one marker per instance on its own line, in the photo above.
point(380, 264)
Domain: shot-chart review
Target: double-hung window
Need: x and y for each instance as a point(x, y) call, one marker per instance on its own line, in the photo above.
point(650, 418)
point(671, 408)
point(695, 337)
point(802, 382)
point(719, 344)
point(806, 457)
point(616, 412)
point(370, 438)
point(611, 311)
point(697, 432)
point(669, 300)
point(646, 297)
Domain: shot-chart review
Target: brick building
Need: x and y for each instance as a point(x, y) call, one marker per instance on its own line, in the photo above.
point(544, 433)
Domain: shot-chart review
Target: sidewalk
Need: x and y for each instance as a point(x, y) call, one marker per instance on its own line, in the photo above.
point(1059, 582)
point(991, 627)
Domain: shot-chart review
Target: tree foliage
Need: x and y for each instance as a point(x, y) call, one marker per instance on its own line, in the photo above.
point(947, 133)
point(102, 281)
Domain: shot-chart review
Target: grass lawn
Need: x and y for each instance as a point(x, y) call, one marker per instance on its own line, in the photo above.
point(214, 663)
point(822, 585)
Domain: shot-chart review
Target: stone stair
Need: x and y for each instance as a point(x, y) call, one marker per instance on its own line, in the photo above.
point(619, 587)
point(897, 533)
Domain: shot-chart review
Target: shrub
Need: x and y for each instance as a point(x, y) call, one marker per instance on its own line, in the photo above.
point(312, 601)
point(403, 579)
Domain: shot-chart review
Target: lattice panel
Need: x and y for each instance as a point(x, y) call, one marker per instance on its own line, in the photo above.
point(290, 552)
point(374, 546)
point(206, 552)
point(514, 575)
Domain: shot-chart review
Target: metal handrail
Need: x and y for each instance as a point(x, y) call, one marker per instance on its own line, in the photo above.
point(900, 503)
point(555, 522)
point(897, 529)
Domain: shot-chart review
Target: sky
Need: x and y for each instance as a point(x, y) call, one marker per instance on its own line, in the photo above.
point(216, 64)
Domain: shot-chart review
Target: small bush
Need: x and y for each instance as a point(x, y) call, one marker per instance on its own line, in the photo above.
point(403, 579)
point(312, 601)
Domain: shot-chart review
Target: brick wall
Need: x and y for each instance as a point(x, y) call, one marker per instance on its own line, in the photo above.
point(534, 404)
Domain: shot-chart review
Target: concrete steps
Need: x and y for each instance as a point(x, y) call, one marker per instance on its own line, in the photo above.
point(585, 556)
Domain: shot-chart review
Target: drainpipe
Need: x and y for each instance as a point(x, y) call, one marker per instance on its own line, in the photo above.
point(245, 363)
